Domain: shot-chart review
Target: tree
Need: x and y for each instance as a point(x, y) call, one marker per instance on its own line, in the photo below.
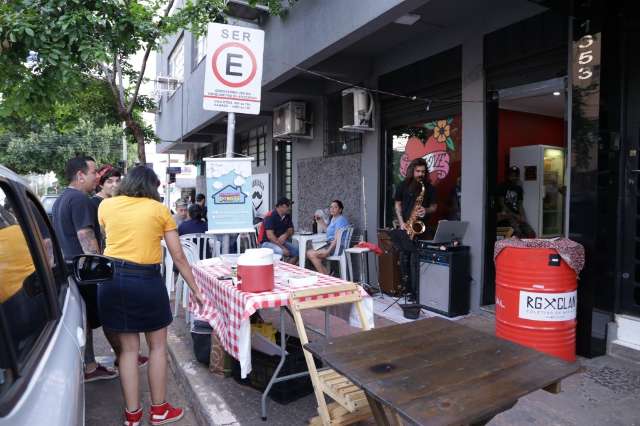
point(48, 150)
point(45, 45)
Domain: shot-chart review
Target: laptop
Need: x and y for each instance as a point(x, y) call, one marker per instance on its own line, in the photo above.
point(449, 230)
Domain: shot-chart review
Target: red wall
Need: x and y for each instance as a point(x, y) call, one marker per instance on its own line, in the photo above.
point(520, 129)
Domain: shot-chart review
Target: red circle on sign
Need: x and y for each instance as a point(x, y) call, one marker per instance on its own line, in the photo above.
point(241, 46)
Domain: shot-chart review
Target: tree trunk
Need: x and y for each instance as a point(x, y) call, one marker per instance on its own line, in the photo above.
point(138, 135)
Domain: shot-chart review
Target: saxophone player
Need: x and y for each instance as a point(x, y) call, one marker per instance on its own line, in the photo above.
point(415, 200)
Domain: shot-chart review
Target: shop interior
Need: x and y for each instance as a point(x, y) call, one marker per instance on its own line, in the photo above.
point(531, 156)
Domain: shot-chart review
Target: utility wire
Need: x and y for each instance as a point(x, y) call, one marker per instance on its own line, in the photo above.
point(427, 101)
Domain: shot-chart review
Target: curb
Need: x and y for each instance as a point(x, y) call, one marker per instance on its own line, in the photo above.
point(192, 377)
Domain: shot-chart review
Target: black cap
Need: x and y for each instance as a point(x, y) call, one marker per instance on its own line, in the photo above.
point(284, 200)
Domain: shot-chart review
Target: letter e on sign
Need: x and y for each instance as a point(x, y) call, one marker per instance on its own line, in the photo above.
point(233, 75)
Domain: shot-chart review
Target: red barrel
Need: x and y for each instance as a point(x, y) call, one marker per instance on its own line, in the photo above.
point(536, 300)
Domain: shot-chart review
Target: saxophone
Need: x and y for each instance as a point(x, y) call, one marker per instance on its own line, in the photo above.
point(415, 226)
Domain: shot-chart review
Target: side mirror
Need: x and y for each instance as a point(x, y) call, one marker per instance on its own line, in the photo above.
point(92, 268)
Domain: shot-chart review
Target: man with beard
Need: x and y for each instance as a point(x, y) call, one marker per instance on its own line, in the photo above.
point(405, 203)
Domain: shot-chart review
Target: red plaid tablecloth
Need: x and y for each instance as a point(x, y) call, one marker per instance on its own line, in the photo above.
point(226, 307)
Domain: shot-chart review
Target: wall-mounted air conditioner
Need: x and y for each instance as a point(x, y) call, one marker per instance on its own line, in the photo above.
point(292, 120)
point(357, 110)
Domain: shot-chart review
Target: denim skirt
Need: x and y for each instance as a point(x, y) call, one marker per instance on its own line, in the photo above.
point(135, 301)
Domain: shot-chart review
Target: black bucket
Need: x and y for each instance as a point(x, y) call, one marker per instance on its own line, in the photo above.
point(411, 310)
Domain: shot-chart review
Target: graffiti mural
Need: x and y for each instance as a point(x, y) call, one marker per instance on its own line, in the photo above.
point(439, 143)
point(434, 150)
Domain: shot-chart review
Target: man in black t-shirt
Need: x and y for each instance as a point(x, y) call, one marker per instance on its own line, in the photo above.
point(510, 210)
point(74, 223)
point(405, 202)
point(278, 228)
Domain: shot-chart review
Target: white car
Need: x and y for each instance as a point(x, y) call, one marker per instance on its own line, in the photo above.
point(42, 326)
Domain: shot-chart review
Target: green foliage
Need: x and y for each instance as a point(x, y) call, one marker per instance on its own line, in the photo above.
point(48, 150)
point(49, 49)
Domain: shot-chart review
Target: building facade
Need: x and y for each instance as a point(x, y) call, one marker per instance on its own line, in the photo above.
point(461, 84)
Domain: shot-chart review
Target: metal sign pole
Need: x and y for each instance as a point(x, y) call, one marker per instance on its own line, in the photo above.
point(231, 129)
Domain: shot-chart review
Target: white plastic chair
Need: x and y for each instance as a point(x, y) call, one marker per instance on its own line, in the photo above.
point(251, 239)
point(343, 241)
point(182, 289)
point(202, 241)
point(169, 274)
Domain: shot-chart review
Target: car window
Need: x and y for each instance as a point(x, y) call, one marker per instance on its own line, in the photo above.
point(47, 203)
point(54, 255)
point(24, 307)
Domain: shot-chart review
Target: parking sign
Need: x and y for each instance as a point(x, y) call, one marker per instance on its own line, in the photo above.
point(233, 75)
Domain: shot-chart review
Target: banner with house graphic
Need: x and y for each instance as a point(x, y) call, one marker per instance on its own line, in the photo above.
point(229, 206)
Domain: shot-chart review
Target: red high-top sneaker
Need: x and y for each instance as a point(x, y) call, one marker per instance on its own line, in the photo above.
point(133, 418)
point(165, 413)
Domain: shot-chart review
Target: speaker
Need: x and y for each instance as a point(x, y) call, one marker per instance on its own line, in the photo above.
point(444, 280)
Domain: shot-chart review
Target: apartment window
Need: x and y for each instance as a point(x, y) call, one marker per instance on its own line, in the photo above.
point(198, 52)
point(176, 61)
point(254, 144)
point(335, 141)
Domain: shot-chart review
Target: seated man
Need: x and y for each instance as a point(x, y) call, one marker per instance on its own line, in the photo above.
point(510, 210)
point(338, 221)
point(278, 229)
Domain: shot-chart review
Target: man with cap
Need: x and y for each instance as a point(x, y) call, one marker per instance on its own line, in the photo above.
point(510, 209)
point(181, 212)
point(278, 228)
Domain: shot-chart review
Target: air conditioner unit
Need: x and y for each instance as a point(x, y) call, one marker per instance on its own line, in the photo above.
point(357, 110)
point(292, 120)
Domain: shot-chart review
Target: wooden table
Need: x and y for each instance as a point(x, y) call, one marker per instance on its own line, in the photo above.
point(437, 372)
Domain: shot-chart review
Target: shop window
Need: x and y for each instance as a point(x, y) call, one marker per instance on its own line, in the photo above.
point(254, 144)
point(285, 168)
point(337, 142)
point(439, 143)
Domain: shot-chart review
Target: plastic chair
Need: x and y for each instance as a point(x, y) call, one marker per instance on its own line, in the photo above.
point(350, 404)
point(343, 240)
point(251, 239)
point(207, 244)
point(182, 289)
point(169, 274)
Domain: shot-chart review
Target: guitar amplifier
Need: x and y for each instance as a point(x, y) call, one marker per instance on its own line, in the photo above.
point(444, 280)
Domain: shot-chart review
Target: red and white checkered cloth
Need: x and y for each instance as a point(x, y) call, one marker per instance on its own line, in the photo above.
point(226, 307)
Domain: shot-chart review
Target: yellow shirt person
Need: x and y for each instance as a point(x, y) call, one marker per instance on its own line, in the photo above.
point(134, 227)
point(15, 261)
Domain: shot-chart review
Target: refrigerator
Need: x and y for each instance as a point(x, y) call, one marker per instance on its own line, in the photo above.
point(542, 178)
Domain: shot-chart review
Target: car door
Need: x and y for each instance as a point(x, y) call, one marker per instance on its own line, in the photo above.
point(41, 318)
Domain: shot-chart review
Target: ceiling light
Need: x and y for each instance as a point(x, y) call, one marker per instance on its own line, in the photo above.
point(408, 19)
point(556, 93)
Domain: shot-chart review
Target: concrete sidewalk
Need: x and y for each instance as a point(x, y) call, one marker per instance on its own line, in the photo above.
point(606, 391)
point(103, 399)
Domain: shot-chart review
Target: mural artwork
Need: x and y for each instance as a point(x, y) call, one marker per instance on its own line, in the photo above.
point(439, 143)
point(434, 150)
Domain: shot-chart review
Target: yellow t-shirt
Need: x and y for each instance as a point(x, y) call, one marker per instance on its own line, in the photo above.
point(133, 228)
point(15, 261)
